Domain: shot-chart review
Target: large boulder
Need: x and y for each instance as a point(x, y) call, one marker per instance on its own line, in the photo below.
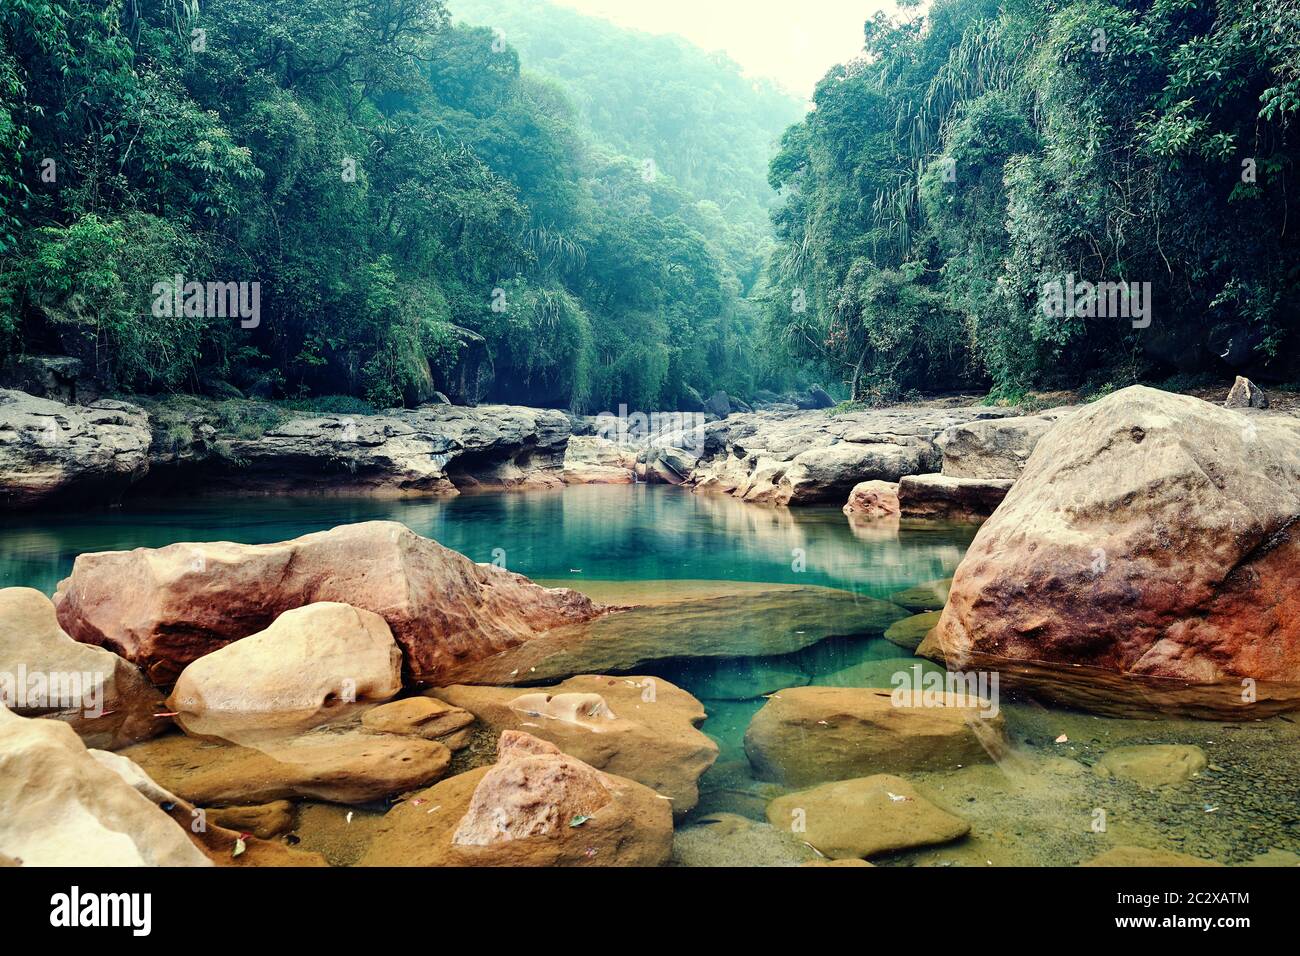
point(868, 816)
point(45, 673)
point(164, 608)
point(341, 766)
point(52, 453)
point(536, 806)
point(951, 499)
point(1145, 561)
point(59, 806)
point(57, 377)
point(308, 661)
point(808, 735)
point(642, 728)
point(993, 448)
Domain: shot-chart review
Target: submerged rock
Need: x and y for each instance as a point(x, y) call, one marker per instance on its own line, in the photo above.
point(342, 767)
point(951, 499)
point(310, 659)
point(45, 673)
point(642, 728)
point(167, 607)
point(1145, 561)
point(59, 806)
point(51, 452)
point(263, 820)
point(535, 807)
point(807, 735)
point(910, 631)
point(421, 717)
point(865, 817)
point(727, 839)
point(1142, 857)
point(928, 596)
point(1152, 765)
point(772, 621)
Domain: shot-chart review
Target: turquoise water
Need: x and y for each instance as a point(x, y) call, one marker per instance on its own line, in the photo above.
point(574, 535)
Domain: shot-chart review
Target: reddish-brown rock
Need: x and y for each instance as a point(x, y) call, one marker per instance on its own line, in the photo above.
point(164, 608)
point(535, 807)
point(873, 499)
point(1145, 560)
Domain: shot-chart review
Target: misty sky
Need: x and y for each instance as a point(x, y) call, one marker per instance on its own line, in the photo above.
point(791, 41)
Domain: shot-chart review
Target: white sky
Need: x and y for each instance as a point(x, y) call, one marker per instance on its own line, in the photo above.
point(791, 41)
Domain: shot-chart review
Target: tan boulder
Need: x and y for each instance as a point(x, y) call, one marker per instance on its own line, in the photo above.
point(1145, 561)
point(910, 631)
point(1142, 857)
point(873, 499)
point(807, 735)
point(44, 673)
point(421, 717)
point(865, 817)
point(641, 728)
point(1152, 765)
point(164, 608)
point(346, 766)
point(535, 807)
point(310, 660)
point(60, 806)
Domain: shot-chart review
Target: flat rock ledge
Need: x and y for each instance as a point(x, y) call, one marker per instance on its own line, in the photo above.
point(51, 451)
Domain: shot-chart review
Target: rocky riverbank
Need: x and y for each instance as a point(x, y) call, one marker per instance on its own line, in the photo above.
point(1138, 562)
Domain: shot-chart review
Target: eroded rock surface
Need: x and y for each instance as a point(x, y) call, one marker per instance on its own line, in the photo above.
point(642, 728)
point(807, 457)
point(946, 498)
point(1145, 561)
point(51, 452)
point(59, 806)
point(535, 807)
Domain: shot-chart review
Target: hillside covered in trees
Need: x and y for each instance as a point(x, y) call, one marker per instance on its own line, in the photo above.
point(417, 211)
point(974, 159)
point(504, 200)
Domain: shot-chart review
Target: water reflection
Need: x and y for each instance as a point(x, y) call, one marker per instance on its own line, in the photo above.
point(640, 533)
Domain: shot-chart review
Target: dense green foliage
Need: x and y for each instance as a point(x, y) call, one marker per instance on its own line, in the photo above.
point(701, 122)
point(973, 156)
point(398, 188)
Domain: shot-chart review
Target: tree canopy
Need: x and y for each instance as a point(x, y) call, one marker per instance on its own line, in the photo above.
point(974, 156)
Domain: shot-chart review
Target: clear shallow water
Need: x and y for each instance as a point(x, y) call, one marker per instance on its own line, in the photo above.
point(579, 534)
point(649, 541)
